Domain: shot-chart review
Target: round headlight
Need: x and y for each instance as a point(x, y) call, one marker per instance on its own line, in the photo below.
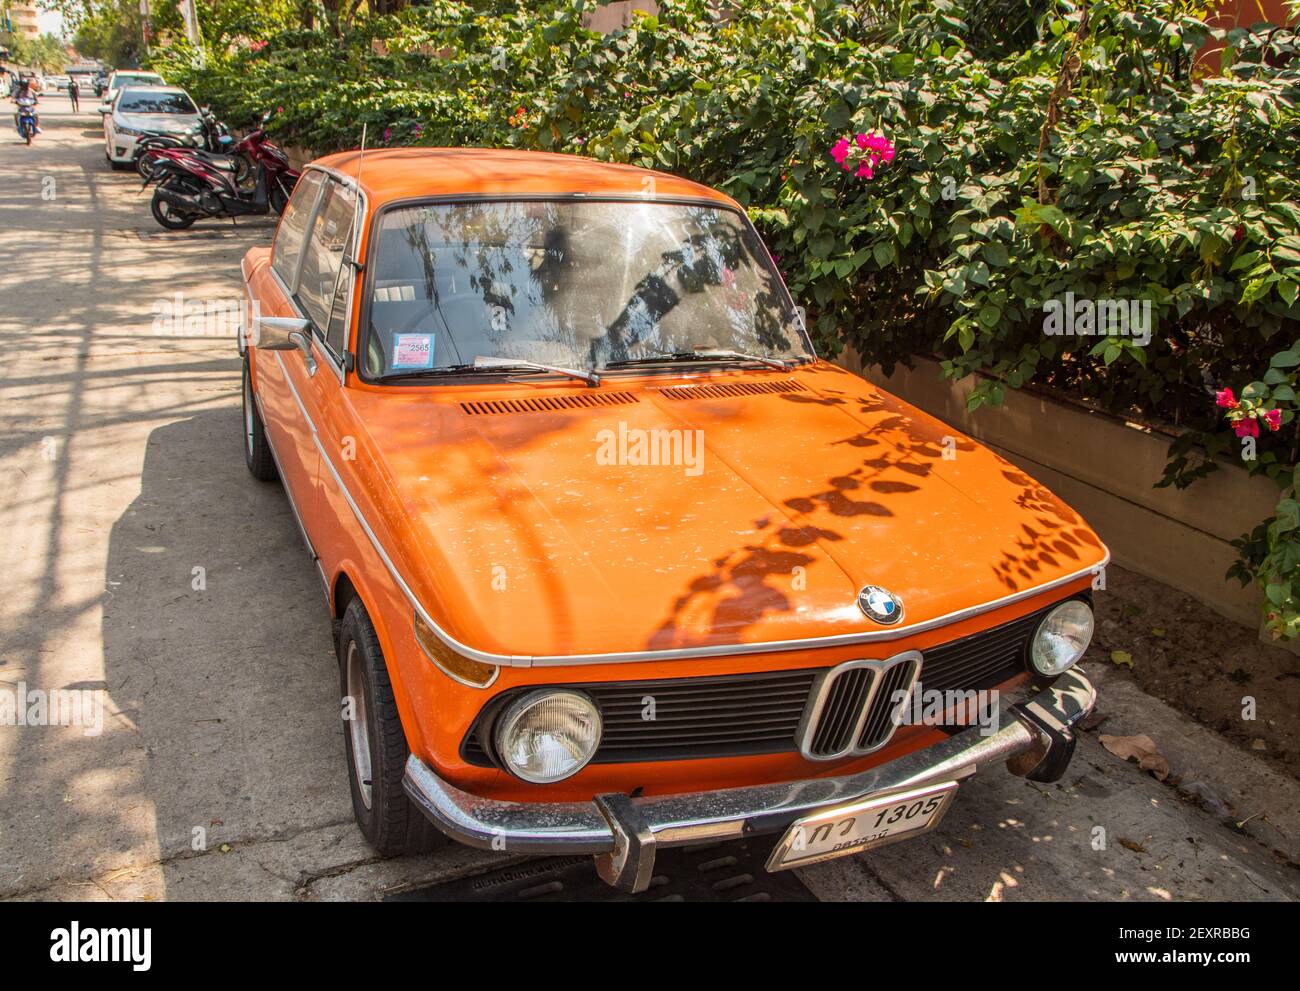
point(546, 735)
point(1062, 637)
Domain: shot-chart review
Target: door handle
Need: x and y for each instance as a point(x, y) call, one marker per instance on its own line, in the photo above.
point(304, 345)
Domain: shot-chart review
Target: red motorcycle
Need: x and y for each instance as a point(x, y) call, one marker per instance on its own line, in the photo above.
point(194, 184)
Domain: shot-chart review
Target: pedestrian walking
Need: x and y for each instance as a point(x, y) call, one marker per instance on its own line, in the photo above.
point(74, 94)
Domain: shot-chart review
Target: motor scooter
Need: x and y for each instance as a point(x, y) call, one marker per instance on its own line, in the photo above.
point(192, 184)
point(25, 118)
point(210, 135)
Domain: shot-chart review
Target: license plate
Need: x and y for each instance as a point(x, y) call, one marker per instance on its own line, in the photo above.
point(863, 825)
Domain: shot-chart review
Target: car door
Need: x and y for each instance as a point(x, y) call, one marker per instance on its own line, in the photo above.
point(108, 125)
point(324, 296)
point(278, 374)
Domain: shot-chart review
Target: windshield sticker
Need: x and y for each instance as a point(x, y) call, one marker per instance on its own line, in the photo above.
point(412, 350)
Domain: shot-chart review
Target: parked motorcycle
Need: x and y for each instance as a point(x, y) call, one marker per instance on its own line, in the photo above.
point(209, 135)
point(25, 119)
point(193, 184)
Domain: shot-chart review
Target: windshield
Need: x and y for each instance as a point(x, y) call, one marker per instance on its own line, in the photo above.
point(136, 78)
point(579, 284)
point(146, 101)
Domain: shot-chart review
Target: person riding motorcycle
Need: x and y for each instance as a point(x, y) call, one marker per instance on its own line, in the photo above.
point(25, 90)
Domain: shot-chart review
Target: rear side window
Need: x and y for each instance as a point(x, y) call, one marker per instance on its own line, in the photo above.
point(321, 292)
point(287, 251)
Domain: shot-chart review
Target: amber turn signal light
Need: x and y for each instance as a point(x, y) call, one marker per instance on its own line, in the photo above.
point(455, 666)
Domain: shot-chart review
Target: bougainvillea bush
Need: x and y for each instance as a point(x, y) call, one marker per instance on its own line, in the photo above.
point(926, 191)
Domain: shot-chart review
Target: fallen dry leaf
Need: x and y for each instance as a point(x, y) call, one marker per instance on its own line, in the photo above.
point(1121, 657)
point(1139, 748)
point(1258, 744)
point(1133, 845)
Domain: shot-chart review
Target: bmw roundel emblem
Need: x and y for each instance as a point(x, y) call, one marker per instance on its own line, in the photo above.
point(880, 604)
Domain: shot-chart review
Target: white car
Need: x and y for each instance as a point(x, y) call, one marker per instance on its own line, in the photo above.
point(120, 78)
point(137, 111)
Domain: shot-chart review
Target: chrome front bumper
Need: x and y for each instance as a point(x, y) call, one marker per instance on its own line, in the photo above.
point(1035, 738)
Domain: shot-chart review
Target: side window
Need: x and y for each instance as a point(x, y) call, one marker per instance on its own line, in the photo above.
point(293, 225)
point(322, 287)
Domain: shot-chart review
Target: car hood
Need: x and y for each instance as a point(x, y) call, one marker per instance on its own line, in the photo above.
point(159, 123)
point(527, 524)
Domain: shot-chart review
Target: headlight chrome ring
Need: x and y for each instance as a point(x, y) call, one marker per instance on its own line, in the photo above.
point(548, 735)
point(1061, 638)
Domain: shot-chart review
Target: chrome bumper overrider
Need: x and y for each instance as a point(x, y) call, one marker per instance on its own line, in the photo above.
point(1035, 738)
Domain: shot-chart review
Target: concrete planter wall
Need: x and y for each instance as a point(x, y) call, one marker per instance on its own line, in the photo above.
point(1105, 468)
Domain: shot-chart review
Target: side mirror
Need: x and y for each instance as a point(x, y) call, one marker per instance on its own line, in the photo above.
point(278, 333)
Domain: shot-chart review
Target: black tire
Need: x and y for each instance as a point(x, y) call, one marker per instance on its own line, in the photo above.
point(162, 212)
point(257, 452)
point(390, 821)
point(277, 197)
point(144, 166)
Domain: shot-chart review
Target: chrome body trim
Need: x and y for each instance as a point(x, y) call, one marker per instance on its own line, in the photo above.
point(811, 719)
point(624, 829)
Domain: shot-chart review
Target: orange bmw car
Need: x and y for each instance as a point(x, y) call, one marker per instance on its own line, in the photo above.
point(616, 562)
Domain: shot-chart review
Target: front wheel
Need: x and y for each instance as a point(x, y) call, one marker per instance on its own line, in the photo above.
point(277, 197)
point(144, 165)
point(168, 216)
point(376, 745)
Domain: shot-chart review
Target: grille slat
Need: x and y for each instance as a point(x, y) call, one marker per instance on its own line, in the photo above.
point(839, 715)
point(732, 390)
point(548, 404)
point(762, 713)
point(880, 723)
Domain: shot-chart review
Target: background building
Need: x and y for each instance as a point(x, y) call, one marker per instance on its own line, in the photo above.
point(22, 19)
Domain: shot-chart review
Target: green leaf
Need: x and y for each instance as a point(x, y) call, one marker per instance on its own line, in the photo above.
point(996, 253)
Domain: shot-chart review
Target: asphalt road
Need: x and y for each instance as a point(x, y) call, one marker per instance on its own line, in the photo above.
point(145, 567)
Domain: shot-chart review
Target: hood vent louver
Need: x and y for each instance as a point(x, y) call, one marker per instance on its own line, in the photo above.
point(733, 390)
point(549, 404)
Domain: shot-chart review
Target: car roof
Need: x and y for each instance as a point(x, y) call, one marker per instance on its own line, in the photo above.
point(389, 174)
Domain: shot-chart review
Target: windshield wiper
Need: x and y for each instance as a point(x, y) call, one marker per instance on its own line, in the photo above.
point(487, 361)
point(424, 373)
point(708, 355)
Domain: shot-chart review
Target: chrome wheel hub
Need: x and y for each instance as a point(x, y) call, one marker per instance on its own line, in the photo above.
point(359, 725)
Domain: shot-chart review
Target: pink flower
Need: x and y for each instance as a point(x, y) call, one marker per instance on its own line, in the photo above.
point(1273, 418)
point(388, 134)
point(872, 151)
point(257, 46)
point(419, 129)
point(1226, 399)
point(1246, 427)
